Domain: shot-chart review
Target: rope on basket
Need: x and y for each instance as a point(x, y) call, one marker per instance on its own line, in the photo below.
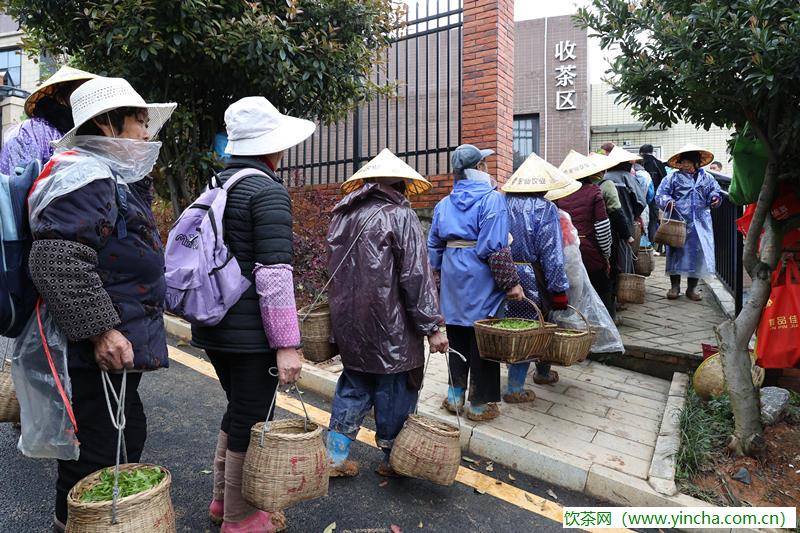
point(352, 245)
point(118, 421)
point(273, 371)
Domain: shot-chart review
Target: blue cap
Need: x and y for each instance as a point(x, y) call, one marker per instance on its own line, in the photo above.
point(468, 156)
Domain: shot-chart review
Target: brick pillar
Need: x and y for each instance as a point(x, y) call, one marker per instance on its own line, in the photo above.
point(488, 81)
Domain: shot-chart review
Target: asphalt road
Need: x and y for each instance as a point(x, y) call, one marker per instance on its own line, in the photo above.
point(184, 408)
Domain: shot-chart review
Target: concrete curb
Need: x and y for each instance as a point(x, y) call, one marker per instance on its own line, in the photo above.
point(723, 298)
point(663, 464)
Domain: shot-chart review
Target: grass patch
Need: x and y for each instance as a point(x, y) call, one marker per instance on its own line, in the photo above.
point(793, 411)
point(705, 428)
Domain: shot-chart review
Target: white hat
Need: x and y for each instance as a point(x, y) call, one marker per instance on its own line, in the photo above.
point(536, 175)
point(101, 95)
point(620, 155)
point(563, 192)
point(388, 165)
point(577, 166)
point(255, 127)
point(706, 156)
point(64, 75)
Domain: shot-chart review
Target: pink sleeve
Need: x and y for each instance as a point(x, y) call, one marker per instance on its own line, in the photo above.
point(275, 288)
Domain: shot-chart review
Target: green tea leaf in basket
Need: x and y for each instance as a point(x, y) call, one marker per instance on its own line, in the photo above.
point(130, 482)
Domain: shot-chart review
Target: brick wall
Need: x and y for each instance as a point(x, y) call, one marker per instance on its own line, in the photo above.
point(488, 86)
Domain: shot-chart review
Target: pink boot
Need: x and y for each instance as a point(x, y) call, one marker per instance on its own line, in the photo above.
point(259, 522)
point(217, 507)
point(240, 516)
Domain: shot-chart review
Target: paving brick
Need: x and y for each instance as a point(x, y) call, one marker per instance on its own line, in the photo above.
point(560, 399)
point(618, 404)
point(629, 447)
point(613, 427)
point(640, 380)
point(633, 420)
point(644, 392)
point(548, 423)
point(679, 385)
point(598, 388)
point(551, 465)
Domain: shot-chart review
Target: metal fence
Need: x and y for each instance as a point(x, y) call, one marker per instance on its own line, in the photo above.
point(420, 122)
point(728, 244)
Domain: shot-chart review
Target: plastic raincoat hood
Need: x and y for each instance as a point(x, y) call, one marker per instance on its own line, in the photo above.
point(466, 192)
point(383, 299)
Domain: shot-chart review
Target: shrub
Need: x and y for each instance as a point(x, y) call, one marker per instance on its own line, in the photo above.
point(311, 215)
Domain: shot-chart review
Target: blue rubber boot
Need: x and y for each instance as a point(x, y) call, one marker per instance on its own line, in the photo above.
point(455, 397)
point(515, 388)
point(338, 446)
point(480, 412)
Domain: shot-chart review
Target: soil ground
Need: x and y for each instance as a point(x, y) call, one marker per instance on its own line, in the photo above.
point(775, 475)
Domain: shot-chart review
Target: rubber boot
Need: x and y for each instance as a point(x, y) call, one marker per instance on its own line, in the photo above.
point(385, 468)
point(691, 290)
point(455, 397)
point(675, 290)
point(216, 509)
point(544, 375)
point(240, 516)
point(481, 412)
point(338, 446)
point(515, 388)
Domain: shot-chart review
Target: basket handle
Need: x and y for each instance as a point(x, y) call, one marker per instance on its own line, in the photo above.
point(536, 307)
point(588, 325)
point(273, 371)
point(449, 373)
point(669, 215)
point(118, 421)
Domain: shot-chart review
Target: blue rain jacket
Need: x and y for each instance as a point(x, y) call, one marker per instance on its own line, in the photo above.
point(693, 197)
point(536, 228)
point(473, 211)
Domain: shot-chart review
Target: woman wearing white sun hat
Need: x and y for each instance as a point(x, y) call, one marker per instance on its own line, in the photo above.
point(260, 331)
point(101, 274)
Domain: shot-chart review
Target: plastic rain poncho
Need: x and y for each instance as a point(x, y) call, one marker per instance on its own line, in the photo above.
point(692, 197)
point(583, 296)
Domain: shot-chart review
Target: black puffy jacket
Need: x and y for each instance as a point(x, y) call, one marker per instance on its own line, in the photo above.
point(257, 229)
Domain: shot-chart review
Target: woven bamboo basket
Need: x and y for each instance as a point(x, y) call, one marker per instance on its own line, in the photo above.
point(285, 465)
point(644, 264)
point(315, 327)
point(570, 346)
point(709, 379)
point(149, 511)
point(514, 346)
point(671, 232)
point(427, 449)
point(637, 233)
point(9, 406)
point(630, 288)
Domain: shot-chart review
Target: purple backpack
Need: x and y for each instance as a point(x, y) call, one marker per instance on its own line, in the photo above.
point(203, 278)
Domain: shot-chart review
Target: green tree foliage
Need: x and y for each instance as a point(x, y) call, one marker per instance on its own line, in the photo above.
point(311, 58)
point(723, 63)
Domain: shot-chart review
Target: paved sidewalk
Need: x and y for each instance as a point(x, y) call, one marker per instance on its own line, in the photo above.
point(677, 326)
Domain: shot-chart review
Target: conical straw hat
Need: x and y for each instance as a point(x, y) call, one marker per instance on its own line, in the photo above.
point(620, 155)
point(388, 165)
point(578, 166)
point(706, 156)
point(536, 175)
point(563, 192)
point(601, 161)
point(64, 75)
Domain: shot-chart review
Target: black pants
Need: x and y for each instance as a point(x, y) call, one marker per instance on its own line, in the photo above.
point(484, 376)
point(604, 288)
point(675, 281)
point(249, 388)
point(97, 435)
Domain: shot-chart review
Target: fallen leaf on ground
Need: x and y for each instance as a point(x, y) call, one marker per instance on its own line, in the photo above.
point(528, 497)
point(383, 483)
point(512, 478)
point(330, 528)
point(205, 471)
point(490, 467)
point(180, 344)
point(469, 459)
point(420, 525)
point(498, 482)
point(480, 491)
point(552, 494)
point(395, 529)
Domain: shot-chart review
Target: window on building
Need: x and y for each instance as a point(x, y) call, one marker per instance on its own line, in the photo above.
point(11, 66)
point(526, 137)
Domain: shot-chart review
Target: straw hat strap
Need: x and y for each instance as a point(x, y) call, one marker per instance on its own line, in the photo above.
point(352, 245)
point(118, 421)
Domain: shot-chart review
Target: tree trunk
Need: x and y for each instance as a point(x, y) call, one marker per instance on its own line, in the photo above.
point(734, 335)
